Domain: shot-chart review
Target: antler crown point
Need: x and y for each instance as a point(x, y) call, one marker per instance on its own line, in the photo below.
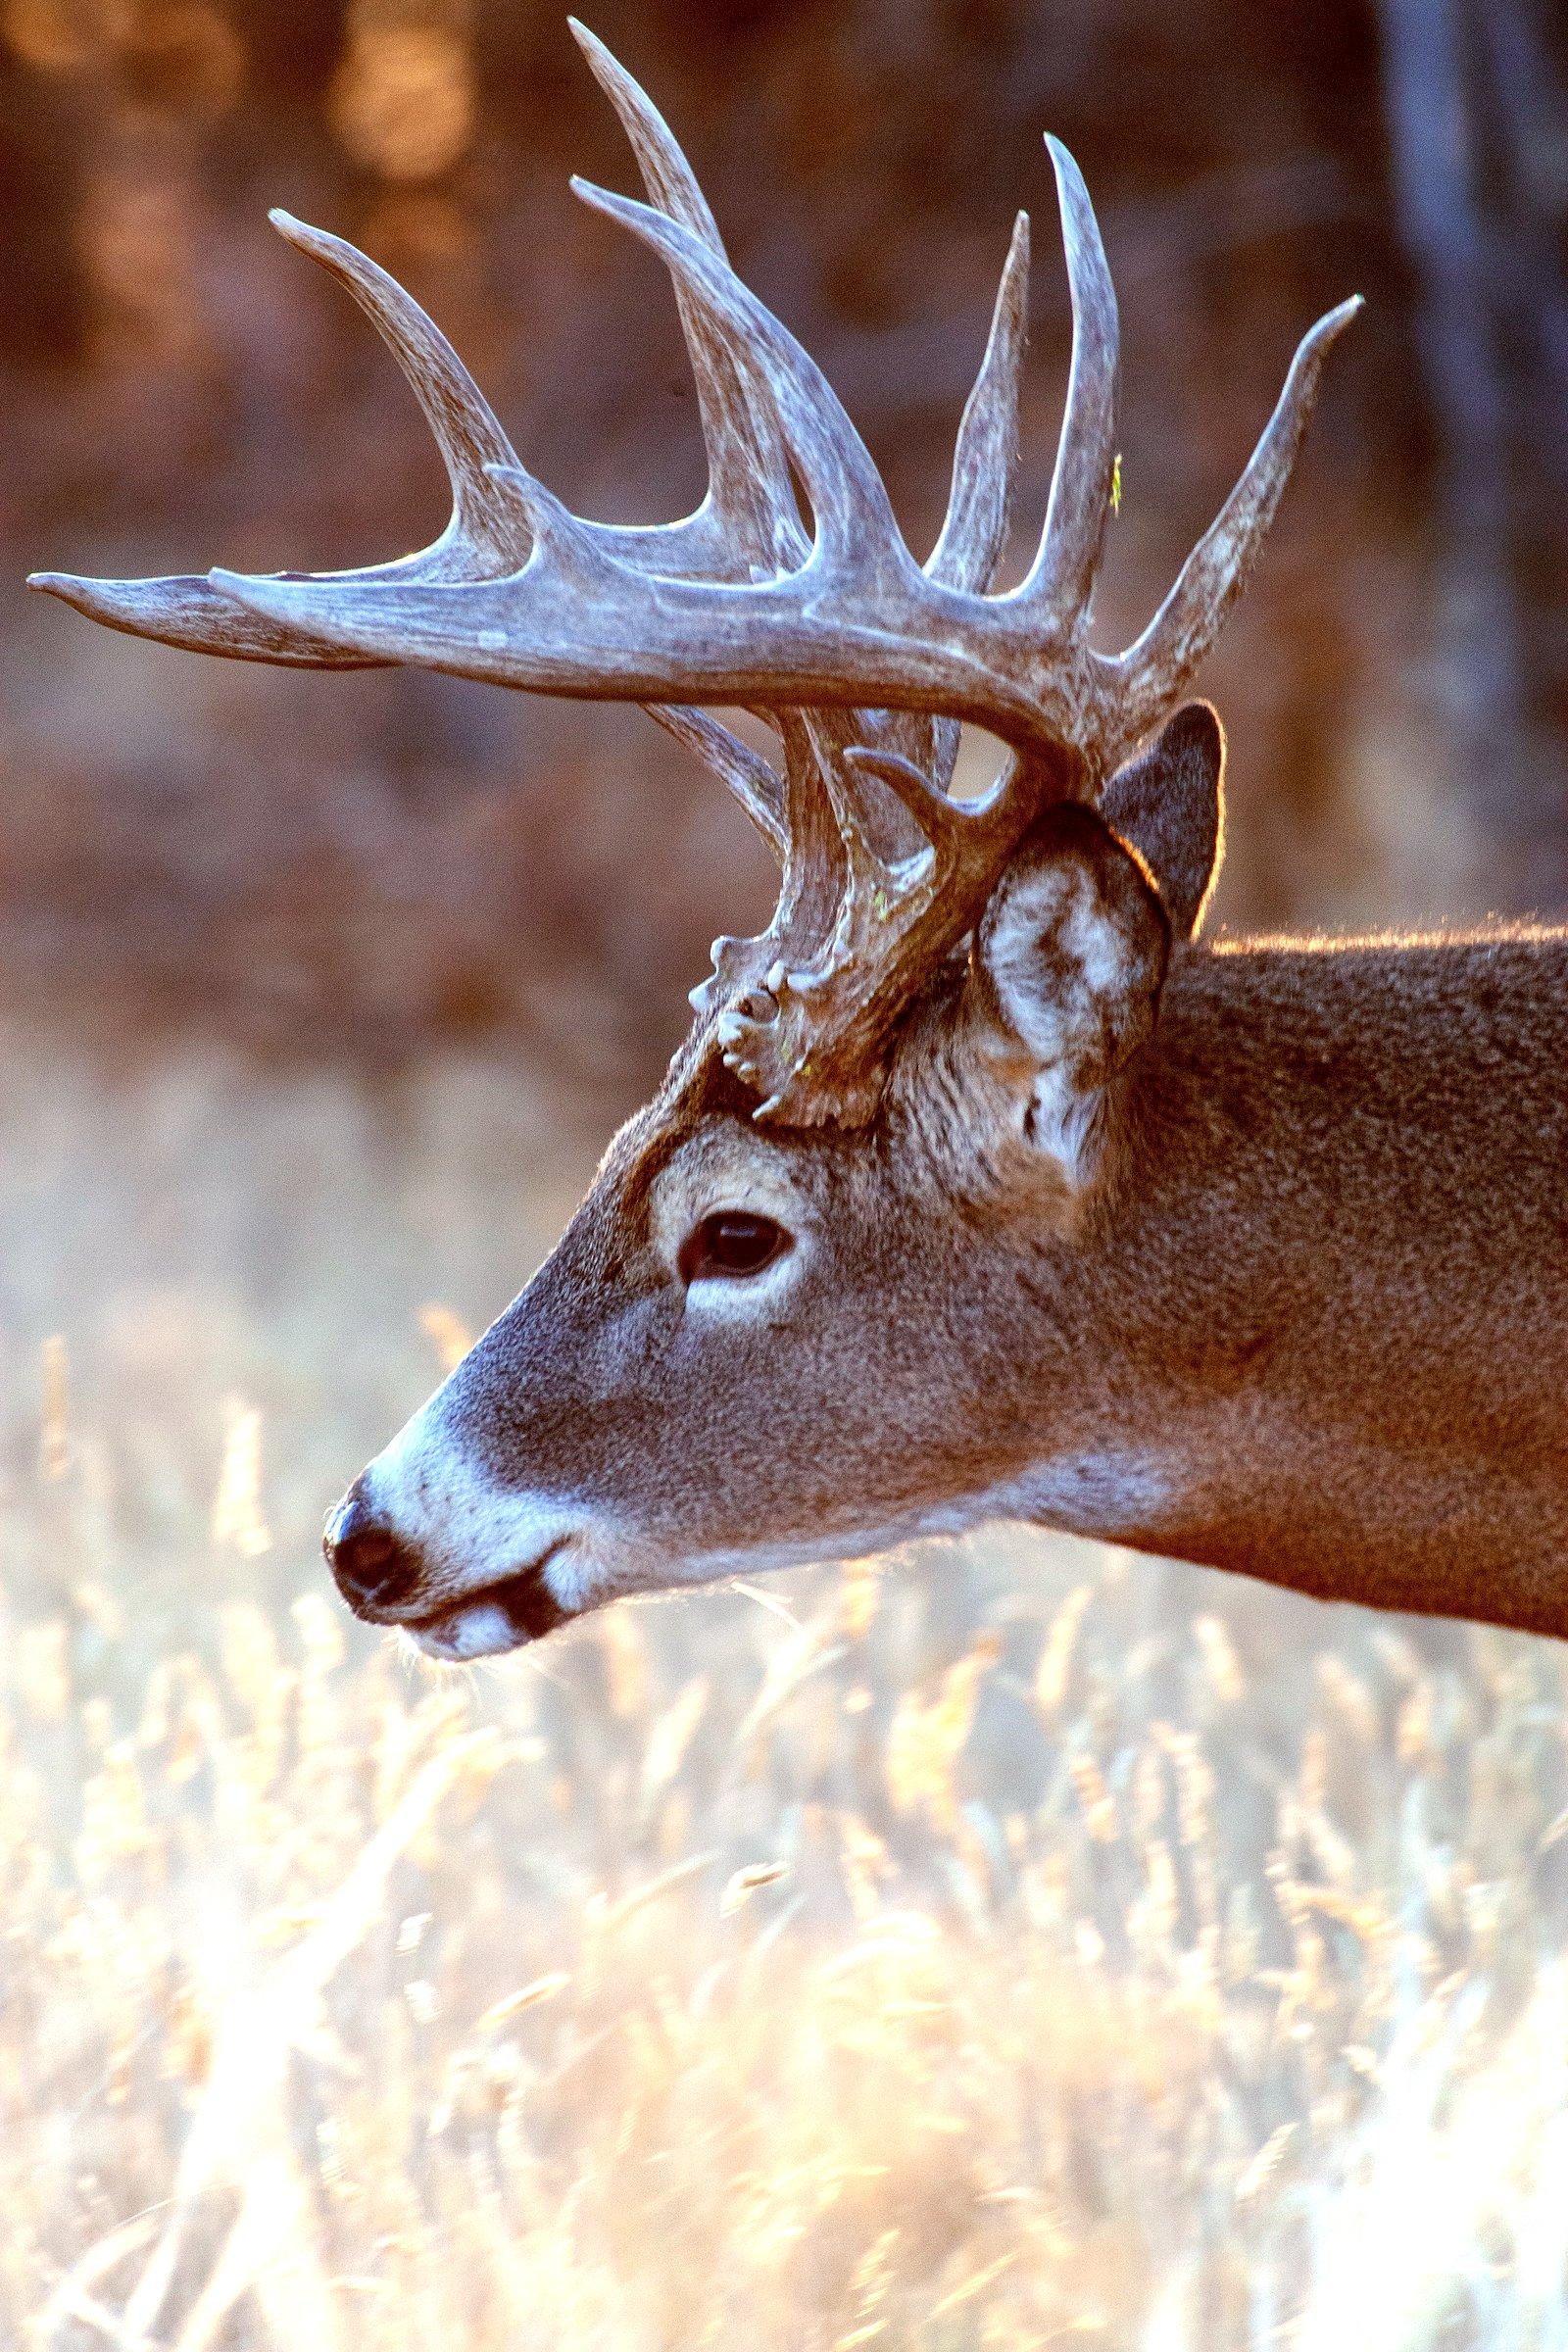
point(296, 231)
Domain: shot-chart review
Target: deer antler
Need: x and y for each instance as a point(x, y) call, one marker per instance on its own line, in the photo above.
point(863, 660)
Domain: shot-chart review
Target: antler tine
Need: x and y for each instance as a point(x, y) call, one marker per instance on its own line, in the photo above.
point(1153, 670)
point(749, 497)
point(849, 500)
point(1062, 578)
point(186, 610)
point(985, 457)
point(746, 971)
point(672, 182)
point(482, 539)
point(974, 528)
point(755, 784)
point(969, 845)
point(746, 464)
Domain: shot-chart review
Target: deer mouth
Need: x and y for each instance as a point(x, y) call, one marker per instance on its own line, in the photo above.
point(513, 1612)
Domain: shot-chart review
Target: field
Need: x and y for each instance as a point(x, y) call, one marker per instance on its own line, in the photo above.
point(1014, 1944)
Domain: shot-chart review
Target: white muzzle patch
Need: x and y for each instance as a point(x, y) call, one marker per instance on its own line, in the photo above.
point(499, 1564)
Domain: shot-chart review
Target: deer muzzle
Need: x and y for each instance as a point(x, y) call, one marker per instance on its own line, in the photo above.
point(386, 1577)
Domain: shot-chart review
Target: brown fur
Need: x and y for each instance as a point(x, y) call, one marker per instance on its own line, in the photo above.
point(1256, 1254)
point(1320, 1277)
point(1344, 1184)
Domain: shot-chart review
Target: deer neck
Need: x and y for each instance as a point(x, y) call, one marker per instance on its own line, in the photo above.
point(1330, 1311)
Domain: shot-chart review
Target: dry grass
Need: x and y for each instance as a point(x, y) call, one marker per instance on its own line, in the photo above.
point(1030, 1946)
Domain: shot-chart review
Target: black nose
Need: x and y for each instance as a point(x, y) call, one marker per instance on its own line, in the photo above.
point(375, 1569)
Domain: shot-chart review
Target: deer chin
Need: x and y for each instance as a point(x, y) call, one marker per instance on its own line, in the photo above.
point(507, 1615)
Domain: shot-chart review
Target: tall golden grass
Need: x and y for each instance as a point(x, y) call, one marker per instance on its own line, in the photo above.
point(1012, 1945)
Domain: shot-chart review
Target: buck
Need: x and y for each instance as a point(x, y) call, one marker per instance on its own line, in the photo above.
point(981, 1185)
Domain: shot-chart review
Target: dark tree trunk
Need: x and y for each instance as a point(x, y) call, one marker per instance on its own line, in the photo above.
point(1473, 129)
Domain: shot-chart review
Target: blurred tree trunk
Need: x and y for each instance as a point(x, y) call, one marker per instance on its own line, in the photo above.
point(1480, 168)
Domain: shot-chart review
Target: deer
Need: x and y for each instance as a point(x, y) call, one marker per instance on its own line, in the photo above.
point(983, 1187)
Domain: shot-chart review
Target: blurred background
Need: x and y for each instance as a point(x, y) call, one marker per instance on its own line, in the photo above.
point(1030, 1943)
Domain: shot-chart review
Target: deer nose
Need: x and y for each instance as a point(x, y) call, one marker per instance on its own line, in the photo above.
point(374, 1568)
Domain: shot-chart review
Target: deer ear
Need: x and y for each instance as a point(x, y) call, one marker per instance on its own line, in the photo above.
point(1170, 805)
point(1070, 959)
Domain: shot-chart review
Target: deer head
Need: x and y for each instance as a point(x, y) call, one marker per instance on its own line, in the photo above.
point(844, 1278)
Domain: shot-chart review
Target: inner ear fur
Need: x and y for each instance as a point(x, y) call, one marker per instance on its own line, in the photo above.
point(1169, 804)
point(1069, 960)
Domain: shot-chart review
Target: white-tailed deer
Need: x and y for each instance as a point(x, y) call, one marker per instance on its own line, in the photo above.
point(980, 1187)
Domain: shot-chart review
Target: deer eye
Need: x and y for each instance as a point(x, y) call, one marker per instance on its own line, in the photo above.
point(731, 1243)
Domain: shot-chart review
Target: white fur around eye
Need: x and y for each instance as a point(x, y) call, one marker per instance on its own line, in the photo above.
point(723, 1167)
point(746, 1297)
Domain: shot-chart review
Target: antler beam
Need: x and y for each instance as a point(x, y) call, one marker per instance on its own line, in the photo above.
point(864, 660)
